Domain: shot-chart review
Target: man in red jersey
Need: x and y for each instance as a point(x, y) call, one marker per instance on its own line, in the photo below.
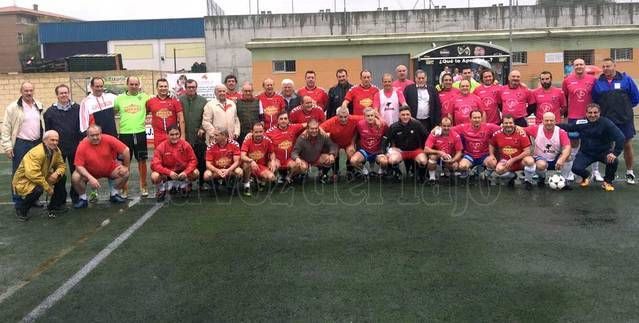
point(230, 81)
point(445, 149)
point(369, 139)
point(165, 112)
point(548, 98)
point(488, 92)
point(173, 161)
point(223, 158)
point(342, 128)
point(516, 99)
point(401, 72)
point(283, 136)
point(97, 157)
point(306, 111)
point(476, 137)
point(578, 89)
point(361, 95)
point(318, 94)
point(510, 152)
point(258, 158)
point(446, 93)
point(464, 103)
point(271, 104)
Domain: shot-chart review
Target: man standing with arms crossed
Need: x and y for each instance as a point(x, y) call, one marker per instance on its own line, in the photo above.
point(131, 106)
point(578, 89)
point(617, 94)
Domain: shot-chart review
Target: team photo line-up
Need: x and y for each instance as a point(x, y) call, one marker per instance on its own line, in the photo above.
point(460, 127)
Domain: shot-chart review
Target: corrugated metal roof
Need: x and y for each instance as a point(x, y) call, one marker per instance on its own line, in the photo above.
point(65, 32)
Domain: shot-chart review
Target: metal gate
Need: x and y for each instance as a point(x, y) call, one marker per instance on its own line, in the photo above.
point(380, 64)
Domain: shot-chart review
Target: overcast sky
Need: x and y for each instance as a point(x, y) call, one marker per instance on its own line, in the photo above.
point(149, 9)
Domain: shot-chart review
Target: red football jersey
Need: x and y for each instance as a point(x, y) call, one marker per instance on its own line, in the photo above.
point(370, 136)
point(579, 92)
point(284, 140)
point(341, 134)
point(270, 107)
point(463, 105)
point(299, 115)
point(509, 145)
point(515, 101)
point(221, 156)
point(489, 95)
point(476, 139)
point(450, 144)
point(551, 100)
point(258, 151)
point(361, 98)
point(318, 94)
point(163, 115)
point(445, 98)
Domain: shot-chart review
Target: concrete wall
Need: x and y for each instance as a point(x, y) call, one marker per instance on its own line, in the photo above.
point(226, 36)
point(9, 61)
point(45, 84)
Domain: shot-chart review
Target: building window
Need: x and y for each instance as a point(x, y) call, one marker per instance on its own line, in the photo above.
point(588, 55)
point(621, 54)
point(20, 38)
point(520, 57)
point(283, 66)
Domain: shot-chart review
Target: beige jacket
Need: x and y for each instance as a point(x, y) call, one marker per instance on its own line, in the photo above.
point(218, 115)
point(13, 118)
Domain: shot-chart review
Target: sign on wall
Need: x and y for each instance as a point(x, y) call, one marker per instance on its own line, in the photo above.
point(554, 57)
point(206, 83)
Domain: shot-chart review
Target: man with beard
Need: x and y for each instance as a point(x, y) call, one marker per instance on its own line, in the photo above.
point(446, 95)
point(488, 92)
point(230, 81)
point(548, 98)
point(510, 152)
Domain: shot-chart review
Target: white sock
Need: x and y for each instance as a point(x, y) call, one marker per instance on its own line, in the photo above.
point(595, 167)
point(247, 184)
point(529, 172)
point(83, 196)
point(566, 170)
point(508, 175)
point(114, 191)
point(630, 171)
point(162, 187)
point(431, 174)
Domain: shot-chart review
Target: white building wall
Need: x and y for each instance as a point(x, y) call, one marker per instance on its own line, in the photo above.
point(158, 60)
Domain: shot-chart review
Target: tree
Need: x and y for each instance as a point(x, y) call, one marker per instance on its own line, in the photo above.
point(30, 44)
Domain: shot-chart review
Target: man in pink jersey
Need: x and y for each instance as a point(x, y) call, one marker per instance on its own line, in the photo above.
point(578, 89)
point(389, 100)
point(445, 149)
point(510, 152)
point(464, 103)
point(475, 136)
point(317, 93)
point(271, 104)
point(516, 99)
point(488, 92)
point(551, 147)
point(446, 93)
point(401, 71)
point(306, 111)
point(361, 95)
point(369, 139)
point(548, 98)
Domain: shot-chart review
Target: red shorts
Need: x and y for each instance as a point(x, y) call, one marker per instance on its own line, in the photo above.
point(105, 172)
point(517, 166)
point(260, 171)
point(411, 154)
point(284, 165)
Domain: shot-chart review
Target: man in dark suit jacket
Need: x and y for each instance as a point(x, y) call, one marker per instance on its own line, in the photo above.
point(428, 111)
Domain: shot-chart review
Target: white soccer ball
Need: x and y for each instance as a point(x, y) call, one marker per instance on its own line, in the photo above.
point(556, 182)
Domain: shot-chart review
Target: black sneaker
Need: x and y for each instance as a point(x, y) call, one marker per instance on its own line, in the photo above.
point(541, 182)
point(21, 215)
point(528, 185)
point(324, 179)
point(117, 199)
point(59, 210)
point(50, 214)
point(160, 196)
point(246, 191)
point(81, 204)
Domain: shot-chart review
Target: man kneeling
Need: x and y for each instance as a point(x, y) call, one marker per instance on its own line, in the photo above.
point(97, 157)
point(174, 165)
point(258, 158)
point(510, 152)
point(223, 159)
point(314, 149)
point(444, 149)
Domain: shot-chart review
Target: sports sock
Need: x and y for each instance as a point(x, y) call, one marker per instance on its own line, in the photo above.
point(431, 174)
point(114, 191)
point(508, 175)
point(83, 196)
point(529, 172)
point(567, 169)
point(595, 167)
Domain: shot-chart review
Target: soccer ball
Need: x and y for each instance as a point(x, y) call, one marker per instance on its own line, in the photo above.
point(556, 182)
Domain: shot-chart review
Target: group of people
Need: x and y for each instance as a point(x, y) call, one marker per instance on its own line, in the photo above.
point(239, 137)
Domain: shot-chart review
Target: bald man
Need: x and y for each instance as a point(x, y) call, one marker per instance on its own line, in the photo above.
point(401, 80)
point(221, 113)
point(41, 170)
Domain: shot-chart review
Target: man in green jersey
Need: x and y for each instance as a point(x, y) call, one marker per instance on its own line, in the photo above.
point(131, 106)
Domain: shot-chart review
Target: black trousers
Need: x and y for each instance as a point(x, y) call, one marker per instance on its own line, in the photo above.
point(69, 157)
point(199, 147)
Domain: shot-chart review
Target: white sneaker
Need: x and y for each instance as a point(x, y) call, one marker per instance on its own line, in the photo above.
point(597, 176)
point(365, 171)
point(571, 177)
point(630, 178)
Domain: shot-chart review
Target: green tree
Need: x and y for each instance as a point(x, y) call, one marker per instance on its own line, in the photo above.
point(30, 44)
